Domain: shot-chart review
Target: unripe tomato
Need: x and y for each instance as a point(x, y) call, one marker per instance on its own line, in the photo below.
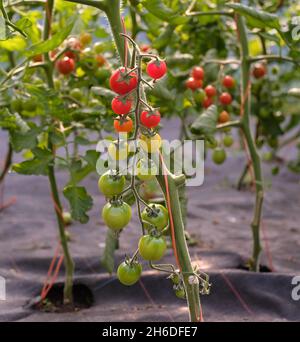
point(199, 95)
point(65, 66)
point(116, 215)
point(146, 169)
point(150, 119)
point(193, 84)
point(210, 91)
point(85, 38)
point(123, 126)
point(152, 248)
point(16, 105)
point(111, 184)
point(225, 99)
point(67, 218)
point(129, 273)
point(76, 93)
point(180, 292)
point(100, 59)
point(150, 144)
point(259, 70)
point(228, 82)
point(98, 47)
point(156, 69)
point(198, 73)
point(121, 105)
point(157, 217)
point(228, 141)
point(122, 81)
point(223, 117)
point(207, 102)
point(118, 152)
point(30, 105)
point(219, 155)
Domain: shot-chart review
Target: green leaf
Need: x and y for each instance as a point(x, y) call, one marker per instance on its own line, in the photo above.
point(91, 157)
point(294, 92)
point(206, 123)
point(16, 43)
point(256, 18)
point(52, 43)
point(80, 202)
point(101, 91)
point(164, 38)
point(160, 91)
point(38, 165)
point(111, 244)
point(24, 140)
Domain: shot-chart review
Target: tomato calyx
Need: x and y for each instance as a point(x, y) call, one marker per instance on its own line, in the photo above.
point(126, 76)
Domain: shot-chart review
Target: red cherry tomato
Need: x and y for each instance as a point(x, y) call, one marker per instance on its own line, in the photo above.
point(65, 65)
point(228, 82)
point(259, 70)
point(122, 81)
point(198, 73)
point(225, 99)
point(156, 69)
point(193, 84)
point(207, 102)
point(121, 105)
point(124, 126)
point(145, 48)
point(210, 91)
point(150, 119)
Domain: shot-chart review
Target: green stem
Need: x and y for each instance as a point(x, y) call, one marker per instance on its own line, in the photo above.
point(68, 261)
point(7, 164)
point(246, 128)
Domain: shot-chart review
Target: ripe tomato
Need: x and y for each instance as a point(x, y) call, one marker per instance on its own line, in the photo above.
point(156, 69)
point(100, 60)
point(150, 144)
point(85, 38)
point(65, 65)
point(259, 70)
point(225, 99)
point(157, 217)
point(118, 151)
point(150, 119)
point(193, 83)
point(207, 102)
point(122, 81)
point(121, 105)
point(152, 248)
point(111, 184)
point(210, 91)
point(223, 117)
point(228, 140)
point(146, 169)
point(198, 73)
point(123, 126)
point(116, 215)
point(145, 47)
point(129, 273)
point(228, 82)
point(219, 155)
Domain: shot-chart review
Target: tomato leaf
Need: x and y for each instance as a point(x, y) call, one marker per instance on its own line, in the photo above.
point(80, 202)
point(111, 244)
point(24, 140)
point(206, 122)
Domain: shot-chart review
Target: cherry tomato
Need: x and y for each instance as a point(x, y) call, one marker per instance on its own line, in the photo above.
point(116, 215)
point(65, 65)
point(180, 292)
point(198, 73)
point(199, 95)
point(207, 102)
point(121, 105)
point(150, 144)
point(156, 69)
point(124, 126)
point(223, 117)
point(67, 218)
point(30, 105)
point(259, 70)
point(111, 184)
point(150, 119)
point(228, 82)
point(193, 84)
point(157, 217)
point(210, 91)
point(225, 99)
point(118, 151)
point(100, 60)
point(146, 169)
point(228, 140)
point(129, 273)
point(122, 81)
point(152, 248)
point(76, 93)
point(219, 156)
point(145, 47)
point(85, 38)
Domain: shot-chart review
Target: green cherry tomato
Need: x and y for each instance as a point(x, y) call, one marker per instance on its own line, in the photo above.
point(199, 95)
point(76, 93)
point(219, 156)
point(157, 217)
point(180, 292)
point(67, 218)
point(16, 105)
point(30, 105)
point(228, 140)
point(111, 184)
point(116, 215)
point(152, 248)
point(145, 169)
point(128, 274)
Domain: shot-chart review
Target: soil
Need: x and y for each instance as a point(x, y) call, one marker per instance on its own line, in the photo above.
point(219, 219)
